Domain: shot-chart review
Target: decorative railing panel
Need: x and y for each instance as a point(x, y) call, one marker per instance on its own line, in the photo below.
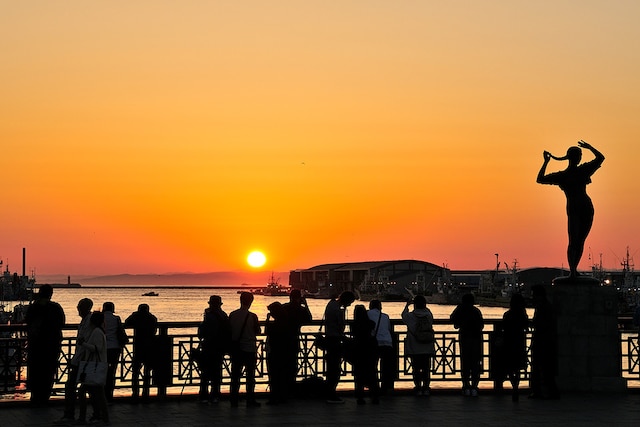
point(182, 339)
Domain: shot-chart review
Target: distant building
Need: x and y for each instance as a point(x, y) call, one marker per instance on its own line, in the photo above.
point(381, 277)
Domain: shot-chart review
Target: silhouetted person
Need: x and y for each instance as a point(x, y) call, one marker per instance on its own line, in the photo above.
point(365, 358)
point(515, 324)
point(334, 320)
point(215, 333)
point(384, 340)
point(636, 320)
point(145, 326)
point(95, 348)
point(419, 344)
point(112, 324)
point(45, 320)
point(468, 319)
point(573, 181)
point(71, 386)
point(298, 314)
point(244, 331)
point(544, 347)
point(277, 346)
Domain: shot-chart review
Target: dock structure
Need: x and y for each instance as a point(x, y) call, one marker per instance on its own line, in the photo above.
point(369, 277)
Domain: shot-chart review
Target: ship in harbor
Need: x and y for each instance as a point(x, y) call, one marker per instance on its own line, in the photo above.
point(274, 288)
point(15, 287)
point(16, 292)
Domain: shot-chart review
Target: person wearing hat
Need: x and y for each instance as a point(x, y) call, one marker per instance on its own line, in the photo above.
point(215, 335)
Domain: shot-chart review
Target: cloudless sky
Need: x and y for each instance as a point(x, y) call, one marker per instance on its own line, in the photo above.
point(162, 136)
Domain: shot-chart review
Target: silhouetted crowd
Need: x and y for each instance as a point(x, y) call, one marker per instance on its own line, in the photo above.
point(369, 347)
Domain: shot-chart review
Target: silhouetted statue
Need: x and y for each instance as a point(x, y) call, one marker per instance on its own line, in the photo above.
point(573, 181)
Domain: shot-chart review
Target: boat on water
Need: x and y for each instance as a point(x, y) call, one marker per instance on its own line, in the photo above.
point(14, 287)
point(150, 294)
point(273, 288)
point(16, 292)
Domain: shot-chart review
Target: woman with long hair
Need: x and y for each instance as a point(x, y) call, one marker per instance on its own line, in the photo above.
point(95, 349)
point(573, 182)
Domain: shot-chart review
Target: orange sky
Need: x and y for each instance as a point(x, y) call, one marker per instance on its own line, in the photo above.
point(159, 137)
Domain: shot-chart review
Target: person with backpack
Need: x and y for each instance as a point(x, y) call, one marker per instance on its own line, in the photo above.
point(468, 319)
point(419, 343)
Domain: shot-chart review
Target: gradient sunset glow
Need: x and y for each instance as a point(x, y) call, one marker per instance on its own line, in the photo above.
point(153, 136)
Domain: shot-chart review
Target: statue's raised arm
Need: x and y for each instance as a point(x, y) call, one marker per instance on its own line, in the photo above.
point(573, 182)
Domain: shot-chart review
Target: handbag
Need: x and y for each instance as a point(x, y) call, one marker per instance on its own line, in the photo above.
point(349, 350)
point(92, 372)
point(320, 340)
point(123, 338)
point(196, 355)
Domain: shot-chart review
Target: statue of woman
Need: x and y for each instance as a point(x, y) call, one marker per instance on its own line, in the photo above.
point(573, 181)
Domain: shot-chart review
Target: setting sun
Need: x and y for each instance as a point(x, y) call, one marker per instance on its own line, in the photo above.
point(256, 259)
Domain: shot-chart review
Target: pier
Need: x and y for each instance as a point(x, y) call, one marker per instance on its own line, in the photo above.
point(175, 402)
point(180, 339)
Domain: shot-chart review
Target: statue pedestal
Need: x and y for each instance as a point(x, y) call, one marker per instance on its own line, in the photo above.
point(588, 339)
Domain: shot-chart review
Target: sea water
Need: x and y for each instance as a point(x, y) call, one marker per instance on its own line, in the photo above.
point(188, 304)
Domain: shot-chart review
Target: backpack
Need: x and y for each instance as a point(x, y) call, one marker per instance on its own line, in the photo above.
point(424, 330)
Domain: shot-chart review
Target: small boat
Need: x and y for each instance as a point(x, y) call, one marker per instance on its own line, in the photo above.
point(273, 288)
point(150, 294)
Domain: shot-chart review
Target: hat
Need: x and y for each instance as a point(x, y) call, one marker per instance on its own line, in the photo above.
point(215, 300)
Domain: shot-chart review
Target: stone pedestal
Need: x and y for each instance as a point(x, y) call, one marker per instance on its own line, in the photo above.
point(588, 338)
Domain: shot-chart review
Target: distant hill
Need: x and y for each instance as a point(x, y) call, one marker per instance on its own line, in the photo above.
point(224, 278)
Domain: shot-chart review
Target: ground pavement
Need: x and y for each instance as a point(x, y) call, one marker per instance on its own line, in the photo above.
point(446, 409)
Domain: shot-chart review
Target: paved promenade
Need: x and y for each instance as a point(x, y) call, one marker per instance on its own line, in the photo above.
point(445, 409)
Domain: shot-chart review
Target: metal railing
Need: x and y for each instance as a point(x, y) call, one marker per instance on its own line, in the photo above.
point(180, 338)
